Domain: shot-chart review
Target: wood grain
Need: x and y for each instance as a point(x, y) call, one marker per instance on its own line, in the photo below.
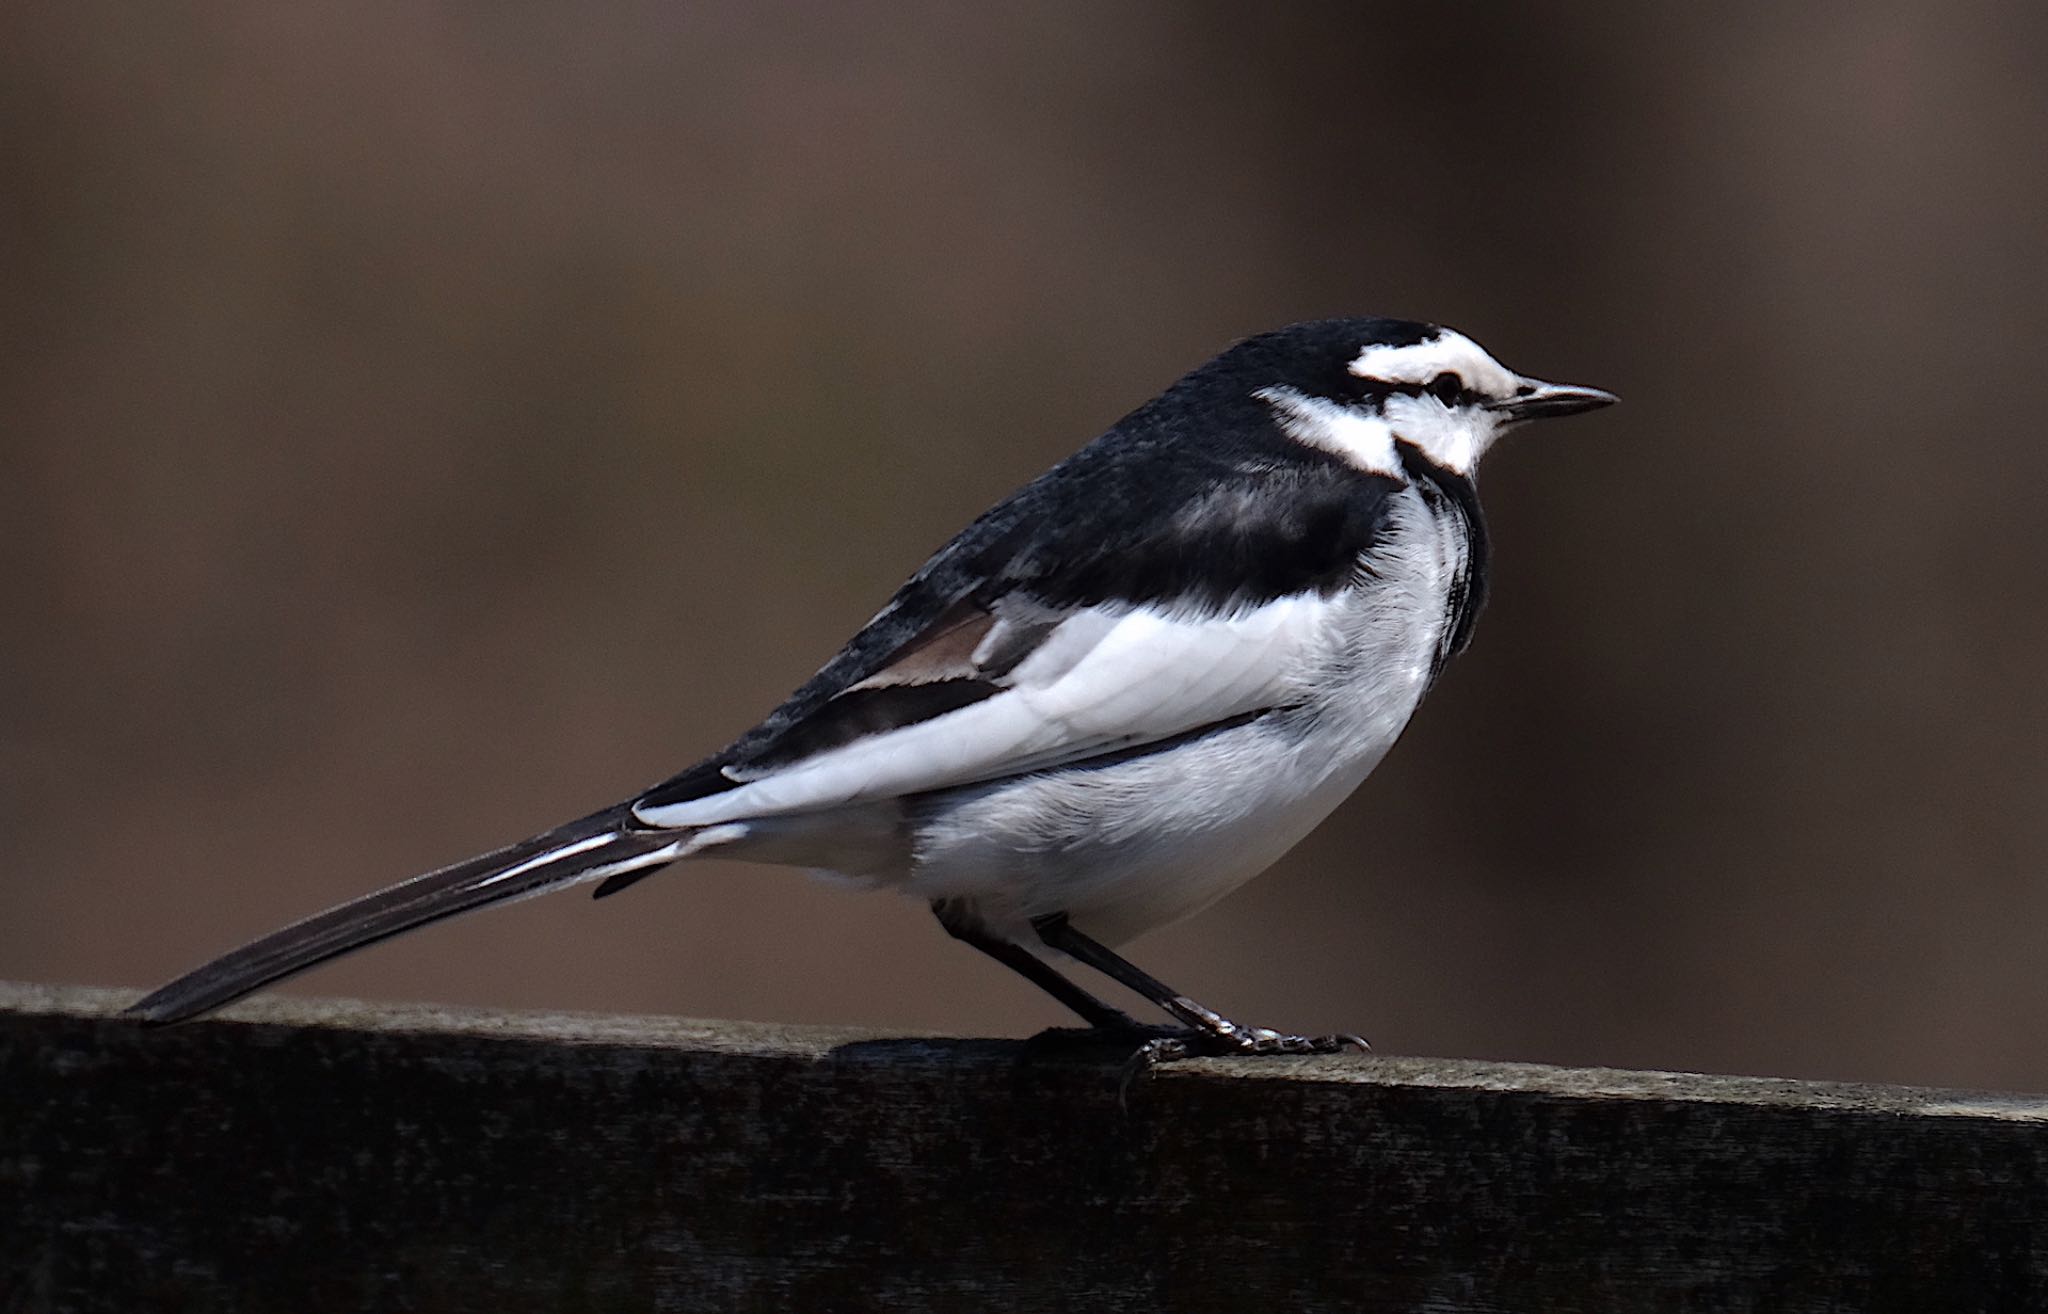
point(294, 1155)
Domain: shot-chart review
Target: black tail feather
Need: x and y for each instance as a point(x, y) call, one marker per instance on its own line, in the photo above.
point(624, 880)
point(599, 840)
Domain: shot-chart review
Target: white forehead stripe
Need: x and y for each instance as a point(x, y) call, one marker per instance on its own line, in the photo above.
point(1362, 438)
point(1448, 352)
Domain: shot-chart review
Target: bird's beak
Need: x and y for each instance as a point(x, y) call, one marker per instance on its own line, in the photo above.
point(1537, 400)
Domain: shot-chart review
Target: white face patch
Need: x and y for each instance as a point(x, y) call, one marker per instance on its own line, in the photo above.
point(1451, 435)
point(1360, 437)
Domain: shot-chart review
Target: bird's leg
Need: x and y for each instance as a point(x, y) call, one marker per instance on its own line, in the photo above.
point(1033, 969)
point(1211, 1032)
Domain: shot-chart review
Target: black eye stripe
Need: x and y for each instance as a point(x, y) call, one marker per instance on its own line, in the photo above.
point(1448, 387)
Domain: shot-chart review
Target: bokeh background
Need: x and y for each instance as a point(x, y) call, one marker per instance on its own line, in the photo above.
point(422, 423)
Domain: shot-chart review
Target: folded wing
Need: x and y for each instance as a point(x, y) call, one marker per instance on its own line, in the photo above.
point(1095, 680)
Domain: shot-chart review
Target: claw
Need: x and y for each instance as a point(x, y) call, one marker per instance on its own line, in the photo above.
point(1158, 1050)
point(1231, 1039)
point(1165, 1049)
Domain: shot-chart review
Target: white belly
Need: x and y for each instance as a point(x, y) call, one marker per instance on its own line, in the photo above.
point(1136, 844)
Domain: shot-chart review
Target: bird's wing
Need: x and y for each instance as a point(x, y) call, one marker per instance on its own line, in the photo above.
point(1098, 679)
point(1053, 631)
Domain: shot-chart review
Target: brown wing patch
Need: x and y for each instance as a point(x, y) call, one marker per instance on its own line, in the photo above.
point(932, 673)
point(945, 651)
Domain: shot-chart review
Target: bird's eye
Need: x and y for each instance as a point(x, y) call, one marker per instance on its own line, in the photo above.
point(1445, 387)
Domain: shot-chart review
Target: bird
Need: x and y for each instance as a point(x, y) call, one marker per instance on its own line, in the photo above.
point(1122, 692)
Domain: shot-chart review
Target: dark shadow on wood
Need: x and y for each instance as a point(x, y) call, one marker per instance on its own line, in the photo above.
point(320, 1155)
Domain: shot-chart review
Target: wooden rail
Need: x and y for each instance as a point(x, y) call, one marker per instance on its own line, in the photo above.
point(300, 1156)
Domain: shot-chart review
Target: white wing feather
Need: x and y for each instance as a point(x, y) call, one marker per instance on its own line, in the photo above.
point(1106, 679)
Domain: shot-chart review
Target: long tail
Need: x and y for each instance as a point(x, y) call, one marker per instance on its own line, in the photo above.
point(602, 844)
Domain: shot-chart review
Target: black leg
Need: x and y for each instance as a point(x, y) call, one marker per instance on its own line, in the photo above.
point(1033, 969)
point(1218, 1033)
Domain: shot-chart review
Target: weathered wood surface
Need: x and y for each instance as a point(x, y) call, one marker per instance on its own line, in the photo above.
point(301, 1156)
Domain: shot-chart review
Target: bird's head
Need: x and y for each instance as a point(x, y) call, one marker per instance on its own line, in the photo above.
point(1358, 386)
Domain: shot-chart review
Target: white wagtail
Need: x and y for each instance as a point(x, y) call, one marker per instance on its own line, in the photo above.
point(1114, 698)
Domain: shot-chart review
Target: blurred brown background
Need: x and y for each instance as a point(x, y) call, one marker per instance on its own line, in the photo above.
point(423, 423)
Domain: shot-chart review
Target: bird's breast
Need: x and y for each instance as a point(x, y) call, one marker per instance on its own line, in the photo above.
point(1389, 629)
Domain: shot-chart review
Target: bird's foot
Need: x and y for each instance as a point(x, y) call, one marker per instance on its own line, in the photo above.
point(1228, 1038)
